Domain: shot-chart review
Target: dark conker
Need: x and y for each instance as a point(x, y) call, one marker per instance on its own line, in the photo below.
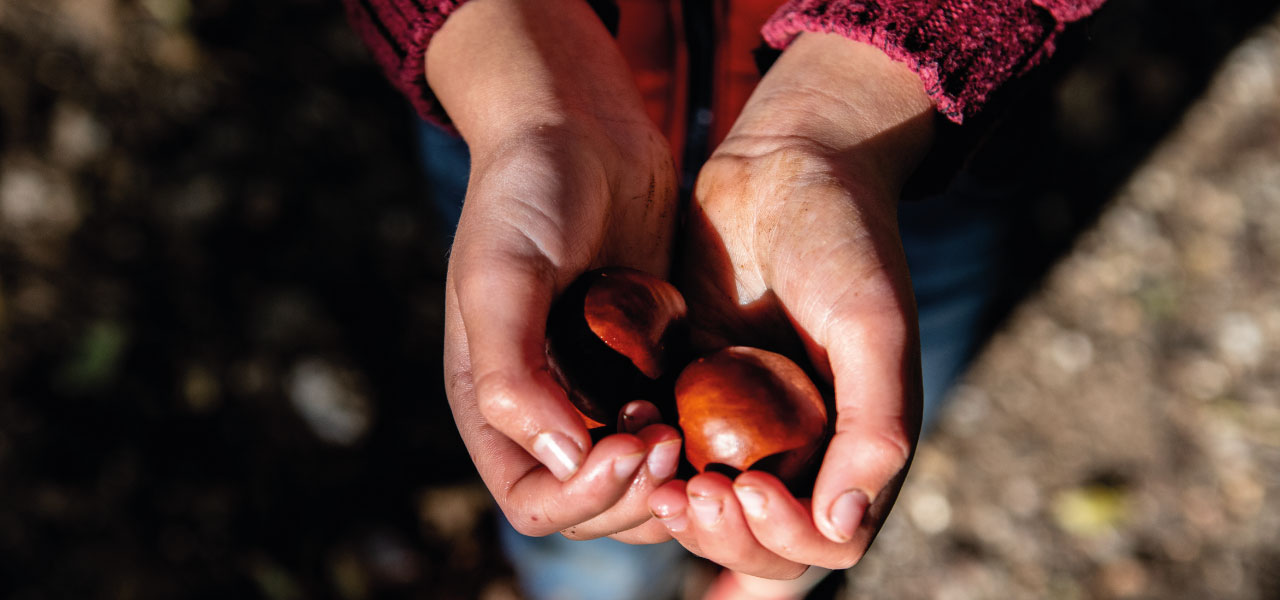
point(740, 406)
point(616, 335)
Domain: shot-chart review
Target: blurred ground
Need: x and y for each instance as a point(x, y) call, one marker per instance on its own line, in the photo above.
point(220, 323)
point(1120, 437)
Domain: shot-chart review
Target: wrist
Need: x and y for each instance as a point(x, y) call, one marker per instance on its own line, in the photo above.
point(831, 96)
point(501, 67)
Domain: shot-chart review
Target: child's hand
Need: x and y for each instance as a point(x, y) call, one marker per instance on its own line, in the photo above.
point(794, 225)
point(568, 174)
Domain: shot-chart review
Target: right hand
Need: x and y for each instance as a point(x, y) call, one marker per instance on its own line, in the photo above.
point(568, 174)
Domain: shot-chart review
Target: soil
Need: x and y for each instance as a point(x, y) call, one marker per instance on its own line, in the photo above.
point(220, 323)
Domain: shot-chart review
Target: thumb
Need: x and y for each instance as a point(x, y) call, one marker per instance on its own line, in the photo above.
point(875, 362)
point(504, 297)
point(855, 303)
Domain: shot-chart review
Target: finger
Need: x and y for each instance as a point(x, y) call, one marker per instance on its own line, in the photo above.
point(784, 525)
point(877, 423)
point(539, 503)
point(497, 458)
point(662, 443)
point(504, 296)
point(669, 505)
point(723, 535)
point(534, 501)
point(865, 330)
point(649, 532)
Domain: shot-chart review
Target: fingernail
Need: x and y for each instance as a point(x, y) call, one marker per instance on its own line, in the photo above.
point(673, 523)
point(637, 415)
point(624, 466)
point(561, 456)
point(705, 509)
point(663, 459)
point(846, 514)
point(751, 499)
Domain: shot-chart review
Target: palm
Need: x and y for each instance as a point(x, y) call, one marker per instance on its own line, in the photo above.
point(537, 215)
point(785, 249)
point(772, 252)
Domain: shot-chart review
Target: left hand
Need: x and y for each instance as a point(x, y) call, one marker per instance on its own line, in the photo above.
point(794, 228)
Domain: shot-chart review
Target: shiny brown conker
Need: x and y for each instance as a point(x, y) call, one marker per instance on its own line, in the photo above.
point(616, 335)
point(740, 406)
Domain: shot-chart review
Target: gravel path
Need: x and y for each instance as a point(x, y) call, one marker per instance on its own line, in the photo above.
point(1120, 437)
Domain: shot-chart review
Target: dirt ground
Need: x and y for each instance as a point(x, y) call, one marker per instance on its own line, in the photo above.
point(220, 320)
point(1120, 436)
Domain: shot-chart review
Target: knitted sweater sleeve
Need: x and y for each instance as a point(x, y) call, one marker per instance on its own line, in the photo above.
point(961, 49)
point(397, 33)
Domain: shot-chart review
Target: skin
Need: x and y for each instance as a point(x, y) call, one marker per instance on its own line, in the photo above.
point(567, 175)
point(793, 229)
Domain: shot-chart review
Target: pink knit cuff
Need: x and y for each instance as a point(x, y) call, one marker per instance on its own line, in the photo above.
point(1070, 10)
point(397, 33)
point(961, 49)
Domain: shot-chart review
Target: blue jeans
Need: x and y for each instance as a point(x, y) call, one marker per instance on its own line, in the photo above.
point(953, 243)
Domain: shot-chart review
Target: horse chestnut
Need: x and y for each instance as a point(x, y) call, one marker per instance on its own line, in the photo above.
point(614, 336)
point(741, 406)
point(618, 335)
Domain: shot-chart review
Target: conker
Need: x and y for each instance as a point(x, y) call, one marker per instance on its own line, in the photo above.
point(740, 406)
point(616, 335)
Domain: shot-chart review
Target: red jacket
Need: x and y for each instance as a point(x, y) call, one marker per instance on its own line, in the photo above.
point(961, 49)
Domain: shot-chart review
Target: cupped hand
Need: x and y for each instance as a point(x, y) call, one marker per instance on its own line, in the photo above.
point(792, 244)
point(567, 174)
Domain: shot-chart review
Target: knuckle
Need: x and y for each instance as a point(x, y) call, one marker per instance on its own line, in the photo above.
point(495, 396)
point(894, 443)
point(470, 282)
point(458, 381)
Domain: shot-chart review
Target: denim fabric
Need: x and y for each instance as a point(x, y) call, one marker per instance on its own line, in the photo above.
point(446, 163)
point(557, 568)
point(954, 244)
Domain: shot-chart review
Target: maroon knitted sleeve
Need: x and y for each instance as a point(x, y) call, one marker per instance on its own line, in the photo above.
point(397, 33)
point(961, 49)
